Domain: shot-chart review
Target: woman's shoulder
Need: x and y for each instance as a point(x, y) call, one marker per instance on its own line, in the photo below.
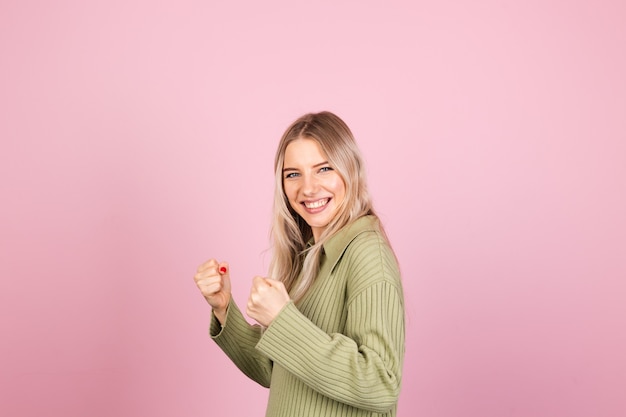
point(368, 247)
point(369, 259)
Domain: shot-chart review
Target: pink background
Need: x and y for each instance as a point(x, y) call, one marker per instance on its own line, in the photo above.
point(137, 140)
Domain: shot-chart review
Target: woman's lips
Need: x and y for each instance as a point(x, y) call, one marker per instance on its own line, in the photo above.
point(315, 206)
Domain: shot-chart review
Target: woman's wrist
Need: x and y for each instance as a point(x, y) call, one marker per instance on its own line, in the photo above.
point(220, 315)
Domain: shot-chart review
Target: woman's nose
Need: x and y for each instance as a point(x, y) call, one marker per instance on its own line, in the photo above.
point(310, 185)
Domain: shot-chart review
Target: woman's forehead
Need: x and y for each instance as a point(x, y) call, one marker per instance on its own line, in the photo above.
point(304, 151)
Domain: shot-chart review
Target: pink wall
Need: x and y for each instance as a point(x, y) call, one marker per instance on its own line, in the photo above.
point(137, 140)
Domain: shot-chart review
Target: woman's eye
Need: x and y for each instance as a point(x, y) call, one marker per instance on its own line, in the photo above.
point(291, 175)
point(325, 169)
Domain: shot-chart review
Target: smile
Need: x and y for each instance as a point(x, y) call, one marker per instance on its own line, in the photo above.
point(316, 204)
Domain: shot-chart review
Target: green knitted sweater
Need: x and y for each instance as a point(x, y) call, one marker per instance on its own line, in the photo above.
point(339, 350)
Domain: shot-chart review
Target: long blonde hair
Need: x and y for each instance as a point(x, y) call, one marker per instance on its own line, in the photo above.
point(292, 255)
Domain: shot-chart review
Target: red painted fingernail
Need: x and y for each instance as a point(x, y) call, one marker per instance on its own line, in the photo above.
point(223, 269)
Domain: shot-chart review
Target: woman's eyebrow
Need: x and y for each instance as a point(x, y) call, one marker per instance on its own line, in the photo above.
point(314, 166)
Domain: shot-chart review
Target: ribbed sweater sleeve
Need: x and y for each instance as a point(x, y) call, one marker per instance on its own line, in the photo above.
point(237, 338)
point(360, 366)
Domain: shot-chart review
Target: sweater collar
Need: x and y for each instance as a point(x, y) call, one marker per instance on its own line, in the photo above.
point(337, 244)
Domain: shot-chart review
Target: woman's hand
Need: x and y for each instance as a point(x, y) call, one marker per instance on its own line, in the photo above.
point(267, 298)
point(213, 280)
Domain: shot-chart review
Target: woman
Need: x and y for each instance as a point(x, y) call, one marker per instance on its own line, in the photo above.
point(330, 333)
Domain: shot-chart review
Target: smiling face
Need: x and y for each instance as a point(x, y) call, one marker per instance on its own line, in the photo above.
point(313, 188)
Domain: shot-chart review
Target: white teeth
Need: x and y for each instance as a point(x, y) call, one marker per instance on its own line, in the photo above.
point(316, 204)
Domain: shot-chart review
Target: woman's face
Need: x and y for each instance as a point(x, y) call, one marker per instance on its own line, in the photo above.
point(314, 189)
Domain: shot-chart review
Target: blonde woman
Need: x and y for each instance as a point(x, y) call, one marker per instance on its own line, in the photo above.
point(330, 314)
